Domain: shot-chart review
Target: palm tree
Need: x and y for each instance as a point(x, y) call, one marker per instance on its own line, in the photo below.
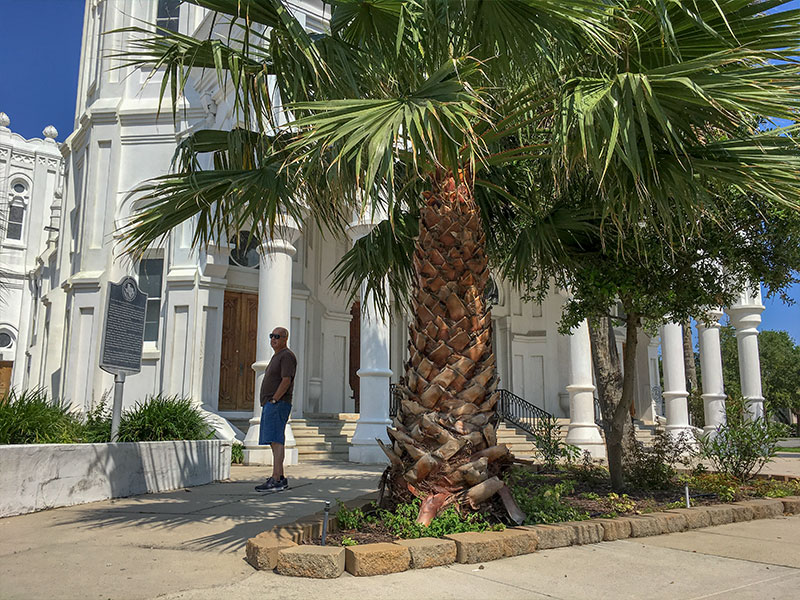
point(438, 111)
point(659, 133)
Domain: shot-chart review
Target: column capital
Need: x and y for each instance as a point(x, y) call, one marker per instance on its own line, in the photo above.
point(713, 315)
point(745, 317)
point(284, 237)
point(360, 227)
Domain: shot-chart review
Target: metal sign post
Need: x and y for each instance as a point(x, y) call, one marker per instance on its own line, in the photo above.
point(123, 337)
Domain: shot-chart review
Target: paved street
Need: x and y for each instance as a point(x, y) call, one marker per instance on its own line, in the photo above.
point(189, 545)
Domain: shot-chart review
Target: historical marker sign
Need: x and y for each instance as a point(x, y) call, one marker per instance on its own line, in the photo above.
point(123, 334)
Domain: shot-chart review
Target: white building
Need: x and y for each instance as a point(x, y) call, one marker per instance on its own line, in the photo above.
point(209, 311)
point(31, 181)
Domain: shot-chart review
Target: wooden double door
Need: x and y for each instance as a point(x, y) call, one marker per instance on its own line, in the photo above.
point(239, 336)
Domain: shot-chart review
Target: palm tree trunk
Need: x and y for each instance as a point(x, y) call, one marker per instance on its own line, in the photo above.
point(444, 440)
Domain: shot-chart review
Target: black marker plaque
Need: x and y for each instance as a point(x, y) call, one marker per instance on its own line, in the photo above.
point(121, 350)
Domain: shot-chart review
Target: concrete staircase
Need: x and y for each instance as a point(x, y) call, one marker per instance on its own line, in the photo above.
point(324, 437)
point(327, 436)
point(522, 444)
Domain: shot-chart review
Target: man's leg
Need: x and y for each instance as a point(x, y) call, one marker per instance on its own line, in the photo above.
point(277, 460)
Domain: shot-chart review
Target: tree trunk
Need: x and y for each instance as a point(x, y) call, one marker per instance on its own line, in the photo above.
point(688, 357)
point(615, 392)
point(444, 440)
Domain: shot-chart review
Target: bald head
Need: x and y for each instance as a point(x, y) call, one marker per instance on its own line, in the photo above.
point(279, 338)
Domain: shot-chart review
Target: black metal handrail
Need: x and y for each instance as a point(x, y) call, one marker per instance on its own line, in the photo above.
point(520, 413)
point(598, 413)
point(394, 399)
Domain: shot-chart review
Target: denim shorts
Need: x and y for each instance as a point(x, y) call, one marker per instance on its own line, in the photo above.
point(273, 423)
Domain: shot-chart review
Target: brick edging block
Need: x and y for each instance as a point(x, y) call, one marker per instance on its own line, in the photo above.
point(319, 562)
point(381, 558)
point(473, 547)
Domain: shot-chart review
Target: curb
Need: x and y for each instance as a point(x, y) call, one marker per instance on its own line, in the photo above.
point(278, 547)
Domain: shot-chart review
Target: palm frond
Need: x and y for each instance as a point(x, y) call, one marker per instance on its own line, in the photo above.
point(432, 126)
point(381, 261)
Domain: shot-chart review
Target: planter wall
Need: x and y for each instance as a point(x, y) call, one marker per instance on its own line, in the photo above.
point(38, 476)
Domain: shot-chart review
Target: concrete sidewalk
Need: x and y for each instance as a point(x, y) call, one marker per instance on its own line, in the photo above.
point(189, 544)
point(146, 546)
point(757, 560)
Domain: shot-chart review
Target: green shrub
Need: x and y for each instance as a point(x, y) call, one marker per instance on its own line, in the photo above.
point(348, 541)
point(550, 446)
point(742, 446)
point(655, 468)
point(588, 472)
point(30, 417)
point(97, 427)
point(237, 453)
point(163, 418)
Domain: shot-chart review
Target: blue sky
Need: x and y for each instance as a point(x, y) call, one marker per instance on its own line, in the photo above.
point(41, 45)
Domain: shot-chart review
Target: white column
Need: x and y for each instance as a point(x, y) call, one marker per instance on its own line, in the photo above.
point(274, 310)
point(583, 432)
point(711, 371)
point(675, 393)
point(374, 374)
point(746, 317)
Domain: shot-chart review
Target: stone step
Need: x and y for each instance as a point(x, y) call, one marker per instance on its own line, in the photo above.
point(327, 437)
point(318, 444)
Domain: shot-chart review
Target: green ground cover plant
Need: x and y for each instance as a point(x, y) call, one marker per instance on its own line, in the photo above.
point(401, 522)
point(542, 502)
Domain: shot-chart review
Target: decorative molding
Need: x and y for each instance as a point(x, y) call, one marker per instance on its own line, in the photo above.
point(153, 138)
point(337, 316)
point(531, 336)
point(24, 159)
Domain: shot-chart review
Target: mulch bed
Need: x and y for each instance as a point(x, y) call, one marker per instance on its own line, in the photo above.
point(590, 495)
point(368, 534)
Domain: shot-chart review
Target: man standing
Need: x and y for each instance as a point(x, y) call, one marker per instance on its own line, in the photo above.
point(276, 404)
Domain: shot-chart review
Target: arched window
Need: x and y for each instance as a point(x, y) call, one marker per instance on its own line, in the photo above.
point(151, 278)
point(6, 340)
point(244, 250)
point(15, 215)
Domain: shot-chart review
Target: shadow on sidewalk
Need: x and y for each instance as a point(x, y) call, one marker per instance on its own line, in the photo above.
point(217, 517)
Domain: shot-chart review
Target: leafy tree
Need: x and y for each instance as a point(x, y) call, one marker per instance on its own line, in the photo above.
point(653, 284)
point(780, 368)
point(467, 121)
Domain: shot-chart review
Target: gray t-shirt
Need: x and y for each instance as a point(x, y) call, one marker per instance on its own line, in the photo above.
point(283, 364)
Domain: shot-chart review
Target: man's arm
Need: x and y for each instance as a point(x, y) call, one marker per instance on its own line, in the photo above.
point(282, 387)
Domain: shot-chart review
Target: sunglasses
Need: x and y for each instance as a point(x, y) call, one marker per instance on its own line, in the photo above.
point(275, 336)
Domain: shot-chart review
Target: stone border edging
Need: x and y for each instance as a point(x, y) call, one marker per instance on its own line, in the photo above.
point(278, 549)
